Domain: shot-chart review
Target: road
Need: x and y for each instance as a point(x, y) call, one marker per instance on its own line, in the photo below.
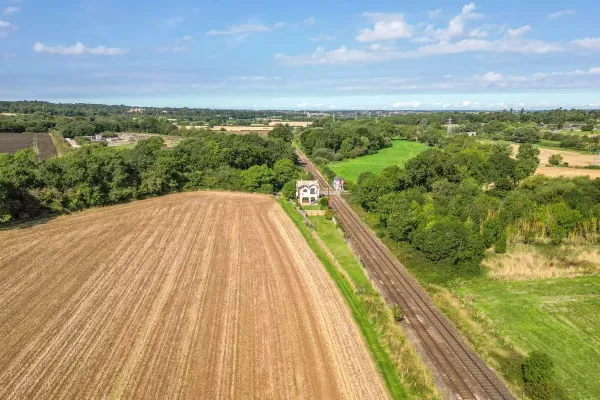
point(459, 372)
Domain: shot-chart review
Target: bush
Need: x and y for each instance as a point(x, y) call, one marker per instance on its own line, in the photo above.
point(324, 203)
point(555, 159)
point(538, 375)
point(329, 215)
point(449, 238)
point(289, 189)
point(501, 243)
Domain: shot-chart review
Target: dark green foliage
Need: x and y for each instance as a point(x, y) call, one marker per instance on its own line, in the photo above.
point(97, 175)
point(555, 159)
point(453, 202)
point(335, 141)
point(281, 131)
point(328, 214)
point(539, 377)
point(448, 238)
point(289, 189)
point(324, 203)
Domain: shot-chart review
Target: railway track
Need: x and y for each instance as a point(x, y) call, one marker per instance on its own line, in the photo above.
point(459, 371)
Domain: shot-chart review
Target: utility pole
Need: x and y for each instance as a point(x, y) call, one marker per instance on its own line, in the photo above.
point(449, 126)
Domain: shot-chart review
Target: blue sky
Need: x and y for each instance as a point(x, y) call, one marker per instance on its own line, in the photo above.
point(306, 55)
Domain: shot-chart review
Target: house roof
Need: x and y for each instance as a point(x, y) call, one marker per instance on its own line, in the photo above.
point(306, 183)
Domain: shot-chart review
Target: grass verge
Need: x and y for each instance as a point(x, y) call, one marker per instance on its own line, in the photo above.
point(61, 146)
point(402, 370)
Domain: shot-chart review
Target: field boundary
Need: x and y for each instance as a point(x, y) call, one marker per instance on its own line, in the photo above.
point(397, 386)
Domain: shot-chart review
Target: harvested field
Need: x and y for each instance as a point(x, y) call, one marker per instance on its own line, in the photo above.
point(568, 172)
point(301, 124)
point(193, 295)
point(13, 142)
point(573, 158)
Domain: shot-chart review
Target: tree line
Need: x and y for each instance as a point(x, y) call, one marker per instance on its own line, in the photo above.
point(97, 175)
point(453, 202)
point(329, 140)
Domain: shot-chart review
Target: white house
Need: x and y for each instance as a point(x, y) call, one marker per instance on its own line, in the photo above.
point(307, 192)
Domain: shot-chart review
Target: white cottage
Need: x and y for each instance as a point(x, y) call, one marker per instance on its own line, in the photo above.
point(307, 192)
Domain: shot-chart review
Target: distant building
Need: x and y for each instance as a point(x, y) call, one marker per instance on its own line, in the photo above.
point(471, 133)
point(338, 184)
point(307, 192)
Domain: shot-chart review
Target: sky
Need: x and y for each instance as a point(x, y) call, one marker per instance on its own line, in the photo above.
point(303, 55)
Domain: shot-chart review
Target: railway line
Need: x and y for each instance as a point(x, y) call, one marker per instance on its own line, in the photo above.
point(460, 373)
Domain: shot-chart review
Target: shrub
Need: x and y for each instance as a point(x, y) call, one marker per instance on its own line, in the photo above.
point(555, 159)
point(448, 238)
point(329, 215)
point(289, 189)
point(538, 375)
point(324, 203)
point(501, 243)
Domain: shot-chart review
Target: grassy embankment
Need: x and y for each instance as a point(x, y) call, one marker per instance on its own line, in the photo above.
point(61, 146)
point(403, 371)
point(400, 152)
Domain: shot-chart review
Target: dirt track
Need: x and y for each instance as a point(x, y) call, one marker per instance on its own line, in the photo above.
point(197, 295)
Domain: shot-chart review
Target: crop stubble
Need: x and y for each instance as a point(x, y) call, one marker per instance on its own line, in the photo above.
point(195, 295)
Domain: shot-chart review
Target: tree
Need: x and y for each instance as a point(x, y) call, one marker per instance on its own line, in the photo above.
point(284, 170)
point(289, 189)
point(284, 132)
point(256, 177)
point(527, 161)
point(555, 159)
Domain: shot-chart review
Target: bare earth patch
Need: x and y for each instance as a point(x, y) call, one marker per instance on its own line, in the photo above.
point(193, 295)
point(568, 172)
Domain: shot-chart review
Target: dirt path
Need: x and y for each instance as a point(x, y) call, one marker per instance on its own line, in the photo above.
point(196, 295)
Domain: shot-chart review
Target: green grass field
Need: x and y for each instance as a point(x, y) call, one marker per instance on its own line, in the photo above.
point(558, 316)
point(400, 152)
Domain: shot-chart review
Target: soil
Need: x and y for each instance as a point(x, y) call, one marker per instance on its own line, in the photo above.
point(193, 295)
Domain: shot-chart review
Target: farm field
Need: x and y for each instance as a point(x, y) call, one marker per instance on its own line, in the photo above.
point(567, 172)
point(400, 152)
point(574, 159)
point(192, 295)
point(557, 316)
point(13, 142)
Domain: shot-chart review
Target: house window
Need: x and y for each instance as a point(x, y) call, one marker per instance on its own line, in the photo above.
point(313, 191)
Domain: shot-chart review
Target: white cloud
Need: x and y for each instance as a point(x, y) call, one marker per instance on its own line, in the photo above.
point(11, 10)
point(407, 104)
point(387, 27)
point(559, 14)
point(178, 46)
point(309, 21)
point(78, 49)
point(245, 29)
point(518, 32)
point(588, 43)
point(433, 14)
point(479, 33)
point(301, 105)
point(456, 26)
point(5, 24)
point(344, 55)
point(492, 77)
point(594, 70)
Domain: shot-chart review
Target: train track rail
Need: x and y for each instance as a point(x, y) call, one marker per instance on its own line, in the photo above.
point(458, 370)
